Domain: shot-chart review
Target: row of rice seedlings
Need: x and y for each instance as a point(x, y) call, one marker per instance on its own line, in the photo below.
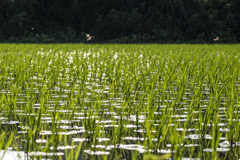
point(146, 80)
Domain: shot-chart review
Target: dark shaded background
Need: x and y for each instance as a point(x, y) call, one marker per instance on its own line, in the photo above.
point(126, 21)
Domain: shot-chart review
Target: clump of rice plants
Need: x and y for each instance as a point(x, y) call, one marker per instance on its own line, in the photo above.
point(109, 101)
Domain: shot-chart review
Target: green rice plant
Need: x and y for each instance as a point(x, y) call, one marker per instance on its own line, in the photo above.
point(215, 140)
point(5, 142)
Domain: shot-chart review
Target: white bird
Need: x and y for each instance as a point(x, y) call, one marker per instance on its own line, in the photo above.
point(217, 39)
point(89, 37)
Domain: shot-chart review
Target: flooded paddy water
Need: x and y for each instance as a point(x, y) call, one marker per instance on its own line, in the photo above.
point(75, 101)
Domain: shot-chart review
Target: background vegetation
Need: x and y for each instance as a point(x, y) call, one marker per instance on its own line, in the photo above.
point(119, 20)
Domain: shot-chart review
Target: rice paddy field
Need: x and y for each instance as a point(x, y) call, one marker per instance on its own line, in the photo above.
point(119, 101)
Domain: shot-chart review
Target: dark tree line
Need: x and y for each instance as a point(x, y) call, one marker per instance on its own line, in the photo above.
point(119, 20)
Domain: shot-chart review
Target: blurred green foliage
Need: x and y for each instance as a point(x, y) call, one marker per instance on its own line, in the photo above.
point(121, 21)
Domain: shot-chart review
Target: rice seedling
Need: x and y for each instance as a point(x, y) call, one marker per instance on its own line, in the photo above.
point(124, 101)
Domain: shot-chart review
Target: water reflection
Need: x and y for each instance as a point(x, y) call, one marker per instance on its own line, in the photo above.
point(12, 155)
